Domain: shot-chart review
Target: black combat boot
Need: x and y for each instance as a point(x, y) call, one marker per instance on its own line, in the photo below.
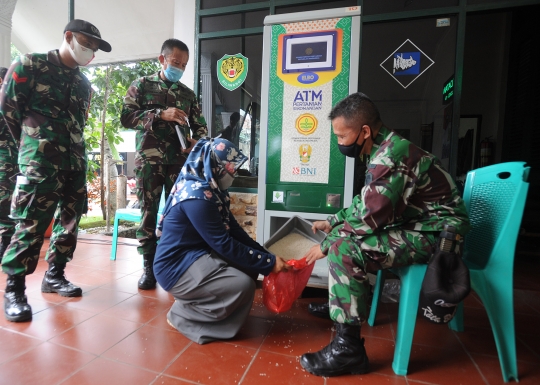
point(345, 354)
point(55, 282)
point(321, 310)
point(148, 281)
point(16, 308)
point(4, 243)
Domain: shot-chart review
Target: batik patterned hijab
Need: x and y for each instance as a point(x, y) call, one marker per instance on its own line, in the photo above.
point(208, 162)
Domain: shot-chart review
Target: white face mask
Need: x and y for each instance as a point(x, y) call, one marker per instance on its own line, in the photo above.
point(82, 55)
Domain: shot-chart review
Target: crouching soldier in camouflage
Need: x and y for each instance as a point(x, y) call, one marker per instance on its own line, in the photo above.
point(44, 103)
point(153, 106)
point(396, 220)
point(8, 169)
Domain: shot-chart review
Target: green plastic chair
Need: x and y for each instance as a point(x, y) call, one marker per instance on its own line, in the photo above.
point(132, 215)
point(495, 199)
point(409, 296)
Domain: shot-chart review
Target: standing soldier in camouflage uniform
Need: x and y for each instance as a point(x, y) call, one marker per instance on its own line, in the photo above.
point(44, 103)
point(8, 169)
point(153, 106)
point(396, 220)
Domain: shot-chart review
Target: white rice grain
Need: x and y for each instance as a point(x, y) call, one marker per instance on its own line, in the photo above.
point(291, 246)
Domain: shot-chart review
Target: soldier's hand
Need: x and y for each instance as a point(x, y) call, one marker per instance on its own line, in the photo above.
point(321, 225)
point(280, 265)
point(173, 114)
point(314, 254)
point(192, 143)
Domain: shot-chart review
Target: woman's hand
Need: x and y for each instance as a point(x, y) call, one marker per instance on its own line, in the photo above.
point(280, 265)
point(321, 225)
point(314, 254)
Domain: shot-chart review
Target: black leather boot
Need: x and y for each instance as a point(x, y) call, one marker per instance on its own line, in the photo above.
point(148, 281)
point(321, 310)
point(55, 282)
point(4, 243)
point(16, 308)
point(345, 354)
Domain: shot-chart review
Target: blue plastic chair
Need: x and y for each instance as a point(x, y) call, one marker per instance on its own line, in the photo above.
point(495, 199)
point(132, 215)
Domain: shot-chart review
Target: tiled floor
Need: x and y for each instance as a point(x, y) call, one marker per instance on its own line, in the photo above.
point(116, 334)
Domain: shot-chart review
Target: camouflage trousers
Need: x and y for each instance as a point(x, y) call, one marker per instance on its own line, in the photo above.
point(7, 185)
point(151, 178)
point(42, 194)
point(350, 260)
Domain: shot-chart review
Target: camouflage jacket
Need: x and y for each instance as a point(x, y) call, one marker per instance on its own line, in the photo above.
point(405, 188)
point(45, 106)
point(8, 149)
point(156, 140)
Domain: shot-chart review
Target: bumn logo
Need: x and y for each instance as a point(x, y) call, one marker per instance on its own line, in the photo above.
point(406, 63)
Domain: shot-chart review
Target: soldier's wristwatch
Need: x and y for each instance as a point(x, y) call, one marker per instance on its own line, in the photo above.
point(157, 115)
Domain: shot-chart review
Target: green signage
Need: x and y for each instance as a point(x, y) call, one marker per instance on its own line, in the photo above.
point(232, 71)
point(448, 90)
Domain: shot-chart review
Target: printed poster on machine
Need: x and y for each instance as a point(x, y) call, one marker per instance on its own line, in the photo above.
point(309, 65)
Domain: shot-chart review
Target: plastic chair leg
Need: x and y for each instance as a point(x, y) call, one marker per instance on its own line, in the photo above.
point(456, 324)
point(497, 298)
point(377, 291)
point(411, 283)
point(114, 239)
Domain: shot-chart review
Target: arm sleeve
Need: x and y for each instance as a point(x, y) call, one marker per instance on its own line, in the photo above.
point(376, 207)
point(14, 95)
point(197, 122)
point(211, 228)
point(133, 116)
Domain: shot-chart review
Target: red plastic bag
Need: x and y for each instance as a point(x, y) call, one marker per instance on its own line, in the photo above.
point(280, 290)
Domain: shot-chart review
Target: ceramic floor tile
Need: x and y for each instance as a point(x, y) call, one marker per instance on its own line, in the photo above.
point(14, 344)
point(103, 371)
point(96, 277)
point(438, 366)
point(97, 300)
point(97, 334)
point(214, 363)
point(160, 321)
point(297, 338)
point(271, 368)
point(126, 284)
point(37, 307)
point(372, 378)
point(149, 348)
point(138, 309)
point(380, 352)
point(50, 322)
point(490, 368)
point(166, 380)
point(46, 364)
point(252, 332)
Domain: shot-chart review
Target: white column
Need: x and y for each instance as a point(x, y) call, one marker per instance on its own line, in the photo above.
point(6, 12)
point(206, 91)
point(184, 30)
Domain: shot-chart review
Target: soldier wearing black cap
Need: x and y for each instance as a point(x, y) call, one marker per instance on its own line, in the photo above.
point(44, 104)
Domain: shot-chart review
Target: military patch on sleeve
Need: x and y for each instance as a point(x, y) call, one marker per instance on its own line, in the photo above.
point(369, 178)
point(18, 79)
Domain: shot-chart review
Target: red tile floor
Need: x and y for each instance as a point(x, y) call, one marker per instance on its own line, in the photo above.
point(116, 334)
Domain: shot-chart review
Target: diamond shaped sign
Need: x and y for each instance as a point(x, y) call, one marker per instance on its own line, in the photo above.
point(406, 63)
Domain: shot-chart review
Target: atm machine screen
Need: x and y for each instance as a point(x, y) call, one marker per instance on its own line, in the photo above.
point(309, 52)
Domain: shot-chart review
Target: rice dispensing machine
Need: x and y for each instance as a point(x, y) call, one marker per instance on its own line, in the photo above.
point(310, 62)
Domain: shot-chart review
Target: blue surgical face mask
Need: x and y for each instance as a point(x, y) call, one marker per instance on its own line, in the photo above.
point(173, 74)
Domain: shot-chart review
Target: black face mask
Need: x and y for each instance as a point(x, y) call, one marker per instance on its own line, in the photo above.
point(352, 150)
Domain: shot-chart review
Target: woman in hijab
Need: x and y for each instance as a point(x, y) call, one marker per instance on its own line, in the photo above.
point(204, 258)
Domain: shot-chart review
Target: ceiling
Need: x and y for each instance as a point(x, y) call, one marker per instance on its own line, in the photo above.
point(134, 28)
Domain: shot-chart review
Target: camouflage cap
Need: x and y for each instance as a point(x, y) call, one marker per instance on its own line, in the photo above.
point(84, 27)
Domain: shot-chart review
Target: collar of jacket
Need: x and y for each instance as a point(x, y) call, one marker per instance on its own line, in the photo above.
point(383, 135)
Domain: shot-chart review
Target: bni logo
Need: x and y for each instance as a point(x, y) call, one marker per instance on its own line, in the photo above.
point(407, 63)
